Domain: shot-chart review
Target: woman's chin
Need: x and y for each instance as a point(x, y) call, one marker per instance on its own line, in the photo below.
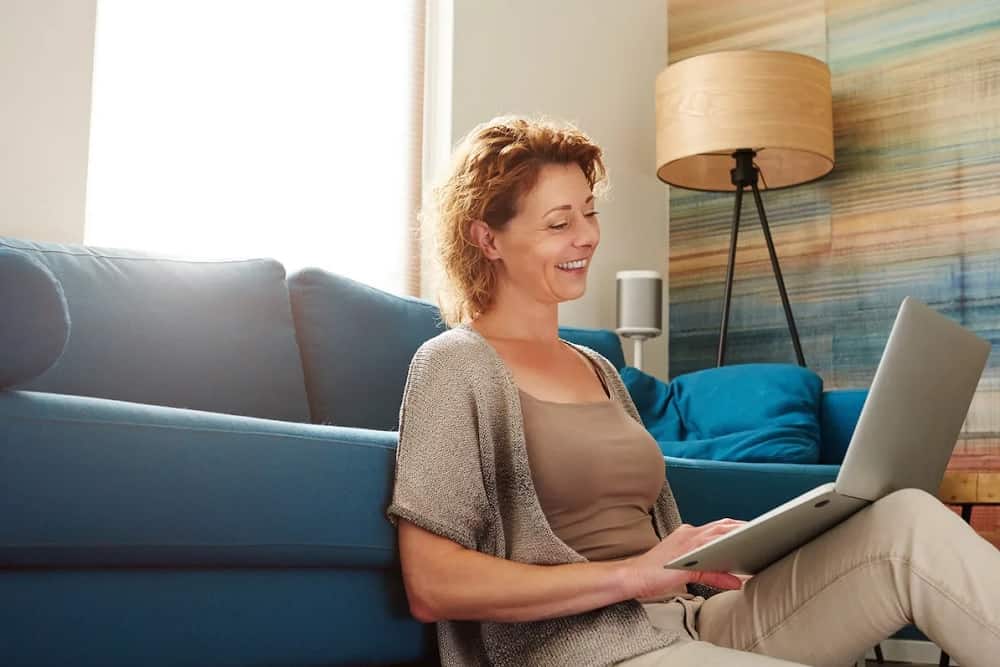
point(568, 289)
point(572, 295)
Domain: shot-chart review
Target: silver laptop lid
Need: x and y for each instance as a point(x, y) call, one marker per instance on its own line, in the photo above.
point(916, 405)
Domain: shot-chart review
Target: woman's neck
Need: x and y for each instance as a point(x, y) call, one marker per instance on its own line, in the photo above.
point(540, 326)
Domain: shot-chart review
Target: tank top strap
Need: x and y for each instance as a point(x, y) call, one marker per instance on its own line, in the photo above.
point(595, 367)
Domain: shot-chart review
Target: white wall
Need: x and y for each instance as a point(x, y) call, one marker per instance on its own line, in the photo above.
point(589, 61)
point(46, 61)
point(592, 62)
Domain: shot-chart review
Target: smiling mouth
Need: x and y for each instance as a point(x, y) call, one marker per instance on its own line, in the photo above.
point(577, 265)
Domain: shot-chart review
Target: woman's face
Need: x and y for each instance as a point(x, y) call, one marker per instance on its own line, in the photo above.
point(545, 250)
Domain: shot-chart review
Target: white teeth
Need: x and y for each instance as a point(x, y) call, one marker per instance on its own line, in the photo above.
point(578, 264)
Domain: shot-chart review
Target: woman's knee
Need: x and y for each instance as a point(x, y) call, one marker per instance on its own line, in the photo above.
point(900, 508)
point(908, 501)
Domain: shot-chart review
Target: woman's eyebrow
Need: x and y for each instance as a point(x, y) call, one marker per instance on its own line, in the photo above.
point(566, 207)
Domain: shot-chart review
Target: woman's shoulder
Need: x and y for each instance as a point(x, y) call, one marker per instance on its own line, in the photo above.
point(457, 351)
point(609, 370)
point(594, 356)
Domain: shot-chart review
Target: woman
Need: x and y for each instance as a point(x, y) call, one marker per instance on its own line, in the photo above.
point(533, 511)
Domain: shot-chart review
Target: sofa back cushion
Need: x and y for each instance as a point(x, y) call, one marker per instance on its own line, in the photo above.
point(357, 342)
point(205, 335)
point(839, 414)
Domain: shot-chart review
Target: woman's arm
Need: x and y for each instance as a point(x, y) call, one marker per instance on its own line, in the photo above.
point(446, 581)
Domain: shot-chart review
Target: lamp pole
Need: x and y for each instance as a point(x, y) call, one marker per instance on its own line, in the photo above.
point(745, 174)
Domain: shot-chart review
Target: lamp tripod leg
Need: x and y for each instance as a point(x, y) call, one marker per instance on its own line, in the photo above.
point(777, 276)
point(721, 358)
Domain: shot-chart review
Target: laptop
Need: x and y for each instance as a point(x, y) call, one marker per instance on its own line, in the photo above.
point(904, 438)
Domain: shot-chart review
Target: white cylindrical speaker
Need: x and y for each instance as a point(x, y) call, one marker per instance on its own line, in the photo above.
point(640, 303)
point(640, 308)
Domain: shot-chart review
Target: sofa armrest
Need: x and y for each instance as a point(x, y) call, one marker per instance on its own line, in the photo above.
point(87, 481)
point(710, 490)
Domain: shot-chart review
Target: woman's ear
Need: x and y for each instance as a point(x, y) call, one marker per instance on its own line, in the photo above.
point(483, 237)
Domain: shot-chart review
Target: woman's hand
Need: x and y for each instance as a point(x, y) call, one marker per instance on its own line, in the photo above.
point(648, 579)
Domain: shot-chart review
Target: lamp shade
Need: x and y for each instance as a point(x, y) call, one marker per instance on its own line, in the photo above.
point(776, 103)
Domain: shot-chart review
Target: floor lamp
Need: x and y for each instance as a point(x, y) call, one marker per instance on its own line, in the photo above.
point(724, 119)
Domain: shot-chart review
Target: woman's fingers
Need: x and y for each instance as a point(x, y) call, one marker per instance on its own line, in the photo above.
point(714, 531)
point(683, 539)
point(722, 580)
point(686, 537)
point(725, 527)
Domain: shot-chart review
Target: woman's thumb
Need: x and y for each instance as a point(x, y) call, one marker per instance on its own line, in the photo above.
point(722, 580)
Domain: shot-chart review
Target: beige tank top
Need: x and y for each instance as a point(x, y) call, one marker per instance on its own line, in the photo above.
point(597, 473)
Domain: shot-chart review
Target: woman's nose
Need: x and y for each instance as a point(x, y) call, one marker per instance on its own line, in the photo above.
point(588, 232)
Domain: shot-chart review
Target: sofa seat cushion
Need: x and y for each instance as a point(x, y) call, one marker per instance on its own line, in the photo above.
point(35, 322)
point(753, 413)
point(357, 342)
point(93, 482)
point(206, 335)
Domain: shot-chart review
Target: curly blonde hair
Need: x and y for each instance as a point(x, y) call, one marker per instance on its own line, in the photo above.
point(496, 164)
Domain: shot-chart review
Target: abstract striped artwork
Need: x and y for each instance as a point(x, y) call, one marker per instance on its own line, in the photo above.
point(912, 206)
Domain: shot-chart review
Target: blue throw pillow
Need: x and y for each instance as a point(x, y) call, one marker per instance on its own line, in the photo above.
point(35, 322)
point(749, 412)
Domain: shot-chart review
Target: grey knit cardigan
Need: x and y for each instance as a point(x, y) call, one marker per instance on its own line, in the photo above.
point(462, 472)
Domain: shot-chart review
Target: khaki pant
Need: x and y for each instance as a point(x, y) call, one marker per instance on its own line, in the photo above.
point(904, 559)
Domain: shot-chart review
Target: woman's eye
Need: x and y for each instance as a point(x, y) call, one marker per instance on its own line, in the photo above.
point(559, 226)
point(592, 214)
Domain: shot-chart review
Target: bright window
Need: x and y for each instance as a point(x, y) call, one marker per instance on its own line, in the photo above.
point(224, 128)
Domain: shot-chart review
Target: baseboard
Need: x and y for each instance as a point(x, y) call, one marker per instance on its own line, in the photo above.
point(909, 650)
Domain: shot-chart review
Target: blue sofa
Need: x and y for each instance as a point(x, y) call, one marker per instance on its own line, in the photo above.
point(200, 477)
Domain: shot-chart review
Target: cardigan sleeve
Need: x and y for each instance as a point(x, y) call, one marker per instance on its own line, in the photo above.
point(439, 479)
